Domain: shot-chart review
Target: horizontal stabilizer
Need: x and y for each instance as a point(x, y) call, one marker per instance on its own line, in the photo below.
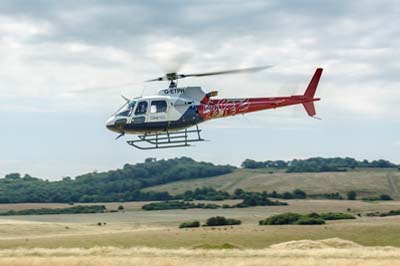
point(310, 108)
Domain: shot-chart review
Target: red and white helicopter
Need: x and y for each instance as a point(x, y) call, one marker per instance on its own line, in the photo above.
point(163, 120)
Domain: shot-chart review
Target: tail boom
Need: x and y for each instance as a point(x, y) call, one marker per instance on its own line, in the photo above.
point(215, 108)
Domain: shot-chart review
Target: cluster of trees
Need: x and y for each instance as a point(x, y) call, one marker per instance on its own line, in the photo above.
point(190, 224)
point(118, 185)
point(221, 220)
point(384, 214)
point(209, 193)
point(318, 164)
point(294, 194)
point(70, 210)
point(252, 164)
point(204, 193)
point(174, 205)
point(279, 219)
point(380, 197)
point(258, 199)
point(332, 216)
point(255, 199)
point(304, 219)
point(213, 221)
point(330, 196)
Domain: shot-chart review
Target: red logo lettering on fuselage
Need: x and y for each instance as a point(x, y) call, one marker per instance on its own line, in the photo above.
point(223, 107)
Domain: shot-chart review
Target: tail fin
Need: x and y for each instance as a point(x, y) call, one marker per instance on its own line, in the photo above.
point(310, 92)
point(310, 108)
point(312, 86)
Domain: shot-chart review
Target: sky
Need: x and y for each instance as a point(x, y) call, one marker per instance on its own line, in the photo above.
point(64, 65)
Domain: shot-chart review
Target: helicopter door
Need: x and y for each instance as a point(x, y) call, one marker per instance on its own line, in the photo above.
point(158, 111)
point(140, 112)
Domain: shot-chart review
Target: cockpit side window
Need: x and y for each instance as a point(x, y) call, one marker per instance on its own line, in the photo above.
point(141, 108)
point(158, 107)
point(131, 106)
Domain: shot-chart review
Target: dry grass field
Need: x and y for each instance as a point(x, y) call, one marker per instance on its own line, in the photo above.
point(137, 237)
point(331, 252)
point(158, 229)
point(367, 182)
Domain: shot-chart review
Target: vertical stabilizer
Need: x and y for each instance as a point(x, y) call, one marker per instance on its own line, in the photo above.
point(312, 87)
point(310, 92)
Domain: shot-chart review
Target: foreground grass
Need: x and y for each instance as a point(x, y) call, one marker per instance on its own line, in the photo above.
point(368, 232)
point(328, 252)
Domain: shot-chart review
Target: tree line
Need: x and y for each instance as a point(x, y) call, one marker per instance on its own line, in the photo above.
point(126, 184)
point(318, 164)
point(46, 211)
point(117, 185)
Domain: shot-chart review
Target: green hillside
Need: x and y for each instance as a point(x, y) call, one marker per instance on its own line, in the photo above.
point(115, 185)
point(153, 179)
point(367, 182)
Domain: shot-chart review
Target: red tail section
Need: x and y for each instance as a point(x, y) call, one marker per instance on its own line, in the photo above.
point(214, 108)
point(310, 92)
point(312, 87)
point(310, 108)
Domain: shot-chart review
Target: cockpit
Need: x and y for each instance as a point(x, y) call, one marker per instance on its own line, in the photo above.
point(136, 111)
point(126, 109)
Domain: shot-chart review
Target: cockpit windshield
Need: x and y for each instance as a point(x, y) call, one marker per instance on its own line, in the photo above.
point(126, 109)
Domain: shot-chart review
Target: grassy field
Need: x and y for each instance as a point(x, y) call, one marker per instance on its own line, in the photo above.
point(137, 237)
point(330, 252)
point(158, 229)
point(367, 182)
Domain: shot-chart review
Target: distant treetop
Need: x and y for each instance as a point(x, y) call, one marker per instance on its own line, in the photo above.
point(117, 185)
point(318, 164)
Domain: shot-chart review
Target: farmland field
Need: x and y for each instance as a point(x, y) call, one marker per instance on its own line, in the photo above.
point(332, 252)
point(367, 182)
point(137, 237)
point(135, 227)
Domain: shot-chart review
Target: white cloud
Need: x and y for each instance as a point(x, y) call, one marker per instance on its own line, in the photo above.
point(396, 143)
point(78, 57)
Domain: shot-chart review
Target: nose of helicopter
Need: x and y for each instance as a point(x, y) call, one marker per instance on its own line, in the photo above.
point(110, 123)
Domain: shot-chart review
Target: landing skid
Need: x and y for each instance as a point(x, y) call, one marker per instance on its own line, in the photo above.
point(176, 139)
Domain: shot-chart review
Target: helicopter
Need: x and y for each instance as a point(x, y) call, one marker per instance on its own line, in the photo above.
point(170, 118)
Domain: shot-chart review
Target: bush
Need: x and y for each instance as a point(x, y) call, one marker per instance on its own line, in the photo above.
point(351, 195)
point(313, 215)
point(220, 220)
point(299, 194)
point(173, 205)
point(166, 205)
point(258, 199)
point(385, 197)
point(309, 220)
point(189, 224)
point(336, 216)
point(384, 214)
point(284, 218)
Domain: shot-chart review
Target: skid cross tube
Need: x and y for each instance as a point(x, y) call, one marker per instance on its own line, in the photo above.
point(167, 139)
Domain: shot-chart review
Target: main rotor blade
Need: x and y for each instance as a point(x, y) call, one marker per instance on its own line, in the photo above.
point(157, 79)
point(234, 71)
point(175, 76)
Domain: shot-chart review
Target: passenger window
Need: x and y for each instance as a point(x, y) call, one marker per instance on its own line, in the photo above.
point(158, 107)
point(141, 108)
